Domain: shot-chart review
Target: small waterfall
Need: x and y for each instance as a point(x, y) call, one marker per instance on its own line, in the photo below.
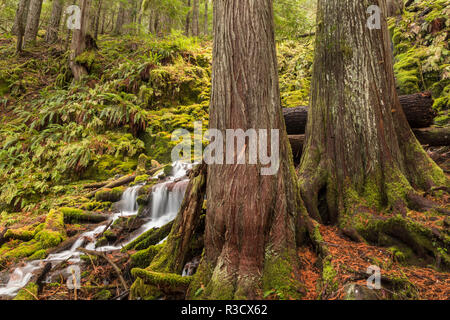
point(166, 201)
point(128, 205)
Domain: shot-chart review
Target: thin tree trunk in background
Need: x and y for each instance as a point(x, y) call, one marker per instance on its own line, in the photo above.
point(34, 15)
point(139, 20)
point(111, 22)
point(187, 26)
point(205, 23)
point(120, 19)
point(21, 12)
point(55, 20)
point(157, 23)
point(79, 41)
point(23, 6)
point(195, 16)
point(151, 21)
point(251, 217)
point(97, 19)
point(102, 29)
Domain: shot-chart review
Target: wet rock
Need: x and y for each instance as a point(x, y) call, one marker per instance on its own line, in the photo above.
point(355, 291)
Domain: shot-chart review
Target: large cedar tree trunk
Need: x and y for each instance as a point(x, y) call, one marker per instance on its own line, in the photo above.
point(250, 237)
point(360, 151)
point(55, 21)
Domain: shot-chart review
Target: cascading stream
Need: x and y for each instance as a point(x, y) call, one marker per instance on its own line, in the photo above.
point(166, 201)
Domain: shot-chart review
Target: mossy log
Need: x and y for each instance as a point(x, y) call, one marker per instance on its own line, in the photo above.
point(73, 215)
point(434, 137)
point(149, 238)
point(143, 258)
point(417, 107)
point(109, 195)
point(116, 183)
point(168, 282)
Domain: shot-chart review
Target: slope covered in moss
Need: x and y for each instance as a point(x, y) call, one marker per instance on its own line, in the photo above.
point(422, 53)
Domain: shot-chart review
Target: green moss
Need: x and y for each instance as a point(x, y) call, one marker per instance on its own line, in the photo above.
point(39, 255)
point(143, 163)
point(109, 195)
point(96, 206)
point(149, 238)
point(103, 295)
point(329, 275)
point(30, 292)
point(169, 281)
point(143, 258)
point(49, 238)
point(54, 221)
point(139, 290)
point(74, 215)
point(141, 179)
point(278, 276)
point(23, 234)
point(443, 120)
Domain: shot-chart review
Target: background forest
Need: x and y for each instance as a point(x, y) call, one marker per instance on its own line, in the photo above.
point(147, 72)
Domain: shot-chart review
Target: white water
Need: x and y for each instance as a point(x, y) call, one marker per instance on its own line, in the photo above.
point(166, 201)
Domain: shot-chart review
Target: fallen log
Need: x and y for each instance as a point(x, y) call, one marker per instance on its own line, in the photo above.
point(113, 184)
point(434, 137)
point(417, 107)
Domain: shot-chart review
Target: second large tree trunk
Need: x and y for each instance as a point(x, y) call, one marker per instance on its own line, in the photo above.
point(360, 151)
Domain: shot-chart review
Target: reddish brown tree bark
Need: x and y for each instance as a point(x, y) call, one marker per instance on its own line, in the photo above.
point(250, 239)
